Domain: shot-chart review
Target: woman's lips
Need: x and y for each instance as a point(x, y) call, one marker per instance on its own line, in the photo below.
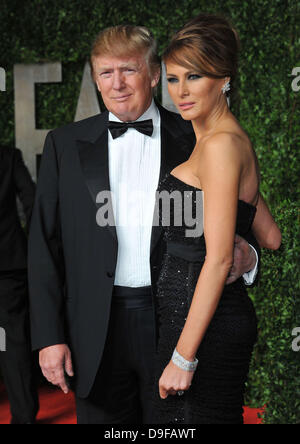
point(186, 106)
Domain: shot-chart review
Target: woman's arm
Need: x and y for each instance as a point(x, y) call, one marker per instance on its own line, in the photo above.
point(265, 228)
point(220, 174)
point(221, 169)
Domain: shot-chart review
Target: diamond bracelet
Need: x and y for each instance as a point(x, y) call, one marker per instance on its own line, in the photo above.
point(182, 363)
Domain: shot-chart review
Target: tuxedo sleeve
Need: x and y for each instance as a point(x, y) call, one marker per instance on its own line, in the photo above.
point(45, 256)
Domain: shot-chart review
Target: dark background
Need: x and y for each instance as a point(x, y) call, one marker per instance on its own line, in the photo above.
point(267, 107)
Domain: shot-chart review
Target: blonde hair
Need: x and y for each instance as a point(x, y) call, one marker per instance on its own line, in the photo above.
point(127, 40)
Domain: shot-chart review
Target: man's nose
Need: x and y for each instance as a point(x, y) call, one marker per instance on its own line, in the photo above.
point(118, 81)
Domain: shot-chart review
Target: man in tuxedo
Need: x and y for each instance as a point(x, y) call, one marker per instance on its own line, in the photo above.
point(92, 286)
point(16, 361)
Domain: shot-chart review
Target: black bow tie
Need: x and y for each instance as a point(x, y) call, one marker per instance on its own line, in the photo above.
point(119, 128)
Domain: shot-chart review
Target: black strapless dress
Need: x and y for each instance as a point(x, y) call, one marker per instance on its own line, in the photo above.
point(217, 392)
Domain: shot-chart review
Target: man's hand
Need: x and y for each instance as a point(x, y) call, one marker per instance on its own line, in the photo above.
point(54, 362)
point(244, 259)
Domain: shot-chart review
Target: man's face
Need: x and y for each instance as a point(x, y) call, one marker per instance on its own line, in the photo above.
point(125, 84)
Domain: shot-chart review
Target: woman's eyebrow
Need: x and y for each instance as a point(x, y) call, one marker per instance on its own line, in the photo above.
point(187, 73)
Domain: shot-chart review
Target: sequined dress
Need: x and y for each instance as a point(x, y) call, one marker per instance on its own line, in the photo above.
point(217, 391)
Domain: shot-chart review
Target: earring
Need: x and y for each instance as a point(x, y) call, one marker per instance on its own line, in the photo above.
point(226, 87)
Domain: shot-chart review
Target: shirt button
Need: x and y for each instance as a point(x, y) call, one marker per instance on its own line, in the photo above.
point(110, 274)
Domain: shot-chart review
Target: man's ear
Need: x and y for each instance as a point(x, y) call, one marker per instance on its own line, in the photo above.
point(97, 84)
point(155, 78)
point(93, 75)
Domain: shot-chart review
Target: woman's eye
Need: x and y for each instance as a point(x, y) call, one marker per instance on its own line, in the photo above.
point(194, 77)
point(172, 80)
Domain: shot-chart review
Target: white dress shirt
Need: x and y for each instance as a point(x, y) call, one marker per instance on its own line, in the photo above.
point(134, 168)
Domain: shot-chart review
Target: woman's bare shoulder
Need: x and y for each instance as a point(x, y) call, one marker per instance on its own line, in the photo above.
point(224, 146)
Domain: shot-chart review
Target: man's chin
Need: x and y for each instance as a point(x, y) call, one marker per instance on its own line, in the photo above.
point(125, 114)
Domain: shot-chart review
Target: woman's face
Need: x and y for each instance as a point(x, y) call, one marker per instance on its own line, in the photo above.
point(195, 97)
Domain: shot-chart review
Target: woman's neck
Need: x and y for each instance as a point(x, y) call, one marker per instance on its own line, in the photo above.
point(207, 125)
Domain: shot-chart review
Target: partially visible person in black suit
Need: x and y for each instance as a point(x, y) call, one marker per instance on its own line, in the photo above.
point(16, 361)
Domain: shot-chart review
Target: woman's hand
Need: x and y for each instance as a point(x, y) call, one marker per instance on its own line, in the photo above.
point(174, 380)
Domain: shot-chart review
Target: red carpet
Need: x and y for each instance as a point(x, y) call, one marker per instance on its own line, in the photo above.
point(57, 408)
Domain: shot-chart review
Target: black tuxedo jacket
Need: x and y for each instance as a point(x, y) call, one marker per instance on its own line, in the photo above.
point(14, 180)
point(72, 260)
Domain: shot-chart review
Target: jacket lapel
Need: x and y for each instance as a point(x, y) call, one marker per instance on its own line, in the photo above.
point(94, 160)
point(176, 146)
